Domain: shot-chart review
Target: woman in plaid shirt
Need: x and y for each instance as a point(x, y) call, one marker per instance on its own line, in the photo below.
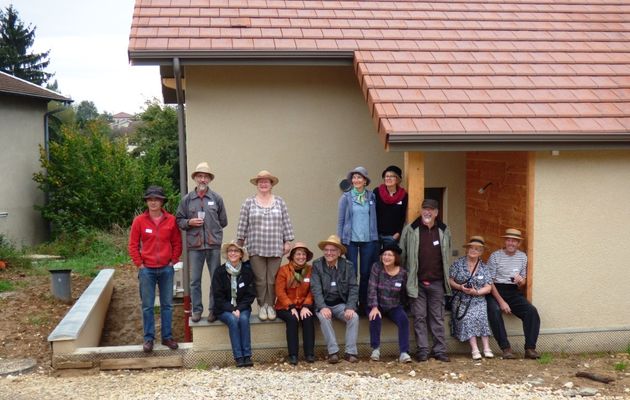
point(265, 229)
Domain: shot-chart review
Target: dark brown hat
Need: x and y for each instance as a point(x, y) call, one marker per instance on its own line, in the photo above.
point(155, 192)
point(430, 203)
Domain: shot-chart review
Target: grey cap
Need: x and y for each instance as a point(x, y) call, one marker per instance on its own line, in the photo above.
point(361, 171)
point(430, 203)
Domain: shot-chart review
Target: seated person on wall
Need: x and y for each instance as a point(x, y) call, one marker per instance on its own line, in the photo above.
point(155, 245)
point(508, 270)
point(294, 301)
point(234, 292)
point(335, 292)
point(470, 282)
point(386, 295)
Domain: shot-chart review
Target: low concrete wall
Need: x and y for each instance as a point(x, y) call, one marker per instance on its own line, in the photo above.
point(83, 324)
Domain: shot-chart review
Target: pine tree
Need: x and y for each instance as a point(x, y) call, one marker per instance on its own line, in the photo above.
point(15, 41)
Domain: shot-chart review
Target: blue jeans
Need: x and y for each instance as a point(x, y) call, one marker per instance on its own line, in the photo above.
point(240, 336)
point(368, 253)
point(148, 278)
point(399, 317)
point(196, 259)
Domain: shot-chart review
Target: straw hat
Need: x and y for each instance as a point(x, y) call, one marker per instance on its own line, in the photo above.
point(513, 233)
point(264, 174)
point(476, 241)
point(202, 167)
point(234, 243)
point(335, 241)
point(300, 245)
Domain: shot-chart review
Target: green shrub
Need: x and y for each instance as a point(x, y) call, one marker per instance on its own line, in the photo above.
point(11, 256)
point(5, 286)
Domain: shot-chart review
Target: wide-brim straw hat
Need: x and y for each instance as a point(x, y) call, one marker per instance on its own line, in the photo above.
point(513, 233)
point(476, 241)
point(335, 241)
point(234, 243)
point(361, 171)
point(264, 174)
point(300, 245)
point(202, 167)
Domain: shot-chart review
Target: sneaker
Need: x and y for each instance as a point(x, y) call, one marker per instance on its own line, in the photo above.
point(239, 362)
point(532, 354)
point(196, 317)
point(488, 353)
point(376, 354)
point(262, 313)
point(147, 347)
point(271, 313)
point(507, 354)
point(333, 358)
point(404, 358)
point(476, 355)
point(211, 316)
point(170, 343)
point(247, 361)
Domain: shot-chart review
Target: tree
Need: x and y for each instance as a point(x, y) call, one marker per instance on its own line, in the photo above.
point(86, 111)
point(15, 41)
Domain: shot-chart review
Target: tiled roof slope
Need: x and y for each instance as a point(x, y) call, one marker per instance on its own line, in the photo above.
point(15, 86)
point(433, 67)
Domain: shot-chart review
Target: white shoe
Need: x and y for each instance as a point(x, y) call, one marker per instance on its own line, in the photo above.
point(262, 313)
point(404, 358)
point(376, 354)
point(488, 353)
point(476, 355)
point(271, 313)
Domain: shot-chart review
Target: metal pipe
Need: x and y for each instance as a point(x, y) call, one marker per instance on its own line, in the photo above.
point(183, 189)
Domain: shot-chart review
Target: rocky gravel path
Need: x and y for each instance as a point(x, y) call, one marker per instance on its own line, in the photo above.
point(232, 383)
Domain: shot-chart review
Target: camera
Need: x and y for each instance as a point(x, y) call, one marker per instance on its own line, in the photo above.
point(468, 285)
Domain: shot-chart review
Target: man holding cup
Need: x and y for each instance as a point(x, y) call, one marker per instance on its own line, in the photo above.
point(202, 216)
point(508, 270)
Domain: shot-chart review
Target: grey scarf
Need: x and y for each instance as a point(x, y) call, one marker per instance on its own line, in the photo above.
point(234, 272)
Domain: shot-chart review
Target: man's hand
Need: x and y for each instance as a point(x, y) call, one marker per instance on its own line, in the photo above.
point(196, 222)
point(505, 307)
point(326, 313)
point(519, 280)
point(348, 314)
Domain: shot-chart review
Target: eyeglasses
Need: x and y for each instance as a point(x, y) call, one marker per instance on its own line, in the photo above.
point(390, 177)
point(477, 249)
point(233, 251)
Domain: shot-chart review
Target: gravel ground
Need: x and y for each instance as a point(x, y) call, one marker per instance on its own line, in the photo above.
point(235, 383)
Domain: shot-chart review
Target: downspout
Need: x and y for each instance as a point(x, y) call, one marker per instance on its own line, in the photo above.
point(47, 150)
point(183, 189)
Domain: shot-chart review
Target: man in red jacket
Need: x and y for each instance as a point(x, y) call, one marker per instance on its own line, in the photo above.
point(155, 245)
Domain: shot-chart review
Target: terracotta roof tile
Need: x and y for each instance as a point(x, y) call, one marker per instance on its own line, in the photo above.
point(446, 66)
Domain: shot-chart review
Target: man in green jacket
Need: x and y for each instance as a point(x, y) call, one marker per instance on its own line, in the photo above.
point(426, 247)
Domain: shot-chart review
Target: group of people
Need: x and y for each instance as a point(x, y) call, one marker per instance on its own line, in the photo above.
point(388, 267)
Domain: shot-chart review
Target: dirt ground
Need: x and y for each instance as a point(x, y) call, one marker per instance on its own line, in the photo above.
point(30, 313)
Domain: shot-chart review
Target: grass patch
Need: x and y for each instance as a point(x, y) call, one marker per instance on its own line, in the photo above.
point(11, 256)
point(621, 366)
point(545, 358)
point(6, 286)
point(202, 366)
point(38, 319)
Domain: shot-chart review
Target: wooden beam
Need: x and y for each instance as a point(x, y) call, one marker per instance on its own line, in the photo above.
point(414, 175)
point(531, 181)
point(142, 362)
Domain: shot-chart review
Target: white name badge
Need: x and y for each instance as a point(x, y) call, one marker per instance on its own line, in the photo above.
point(333, 283)
point(480, 277)
point(148, 230)
point(241, 284)
point(371, 202)
point(211, 203)
point(436, 242)
point(399, 203)
point(307, 280)
point(398, 284)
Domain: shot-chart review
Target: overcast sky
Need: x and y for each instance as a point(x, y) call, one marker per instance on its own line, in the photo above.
point(88, 42)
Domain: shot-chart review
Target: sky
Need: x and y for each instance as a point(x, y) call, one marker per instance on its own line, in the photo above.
point(88, 43)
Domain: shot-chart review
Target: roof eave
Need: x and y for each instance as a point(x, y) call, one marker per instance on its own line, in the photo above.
point(507, 141)
point(241, 57)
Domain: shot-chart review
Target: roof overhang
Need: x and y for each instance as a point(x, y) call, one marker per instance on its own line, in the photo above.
point(507, 142)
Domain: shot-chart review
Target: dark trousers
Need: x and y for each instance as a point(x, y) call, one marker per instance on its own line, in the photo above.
point(521, 308)
point(398, 317)
point(308, 333)
point(428, 309)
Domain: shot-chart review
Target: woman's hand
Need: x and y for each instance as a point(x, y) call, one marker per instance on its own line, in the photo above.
point(305, 313)
point(236, 313)
point(374, 312)
point(295, 313)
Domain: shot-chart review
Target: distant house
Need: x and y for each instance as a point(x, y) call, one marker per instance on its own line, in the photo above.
point(121, 120)
point(512, 114)
point(23, 108)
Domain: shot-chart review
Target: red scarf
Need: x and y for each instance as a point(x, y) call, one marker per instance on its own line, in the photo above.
point(389, 199)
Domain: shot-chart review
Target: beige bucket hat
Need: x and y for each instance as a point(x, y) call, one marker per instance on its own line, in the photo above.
point(264, 174)
point(301, 245)
point(335, 241)
point(202, 167)
point(234, 243)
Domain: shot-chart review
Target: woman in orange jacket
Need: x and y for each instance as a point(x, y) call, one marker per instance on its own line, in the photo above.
point(294, 301)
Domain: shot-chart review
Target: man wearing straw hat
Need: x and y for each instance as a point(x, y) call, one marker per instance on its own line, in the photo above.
point(202, 216)
point(335, 292)
point(508, 270)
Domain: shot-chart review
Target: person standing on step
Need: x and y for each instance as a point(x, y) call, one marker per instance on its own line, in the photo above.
point(391, 206)
point(201, 214)
point(265, 229)
point(155, 245)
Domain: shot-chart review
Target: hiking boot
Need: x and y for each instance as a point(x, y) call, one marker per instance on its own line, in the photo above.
point(442, 357)
point(351, 358)
point(170, 343)
point(211, 316)
point(310, 358)
point(147, 347)
point(333, 358)
point(196, 317)
point(247, 361)
point(531, 354)
point(293, 360)
point(507, 354)
point(421, 357)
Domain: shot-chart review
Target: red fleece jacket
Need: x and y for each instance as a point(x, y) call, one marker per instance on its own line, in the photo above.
point(154, 245)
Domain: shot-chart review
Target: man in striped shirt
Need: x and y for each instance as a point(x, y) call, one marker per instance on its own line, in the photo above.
point(508, 269)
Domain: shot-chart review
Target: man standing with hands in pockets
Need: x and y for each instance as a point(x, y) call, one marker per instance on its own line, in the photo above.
point(202, 216)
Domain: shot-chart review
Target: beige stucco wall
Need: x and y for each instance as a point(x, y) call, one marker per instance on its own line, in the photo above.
point(307, 125)
point(21, 131)
point(581, 239)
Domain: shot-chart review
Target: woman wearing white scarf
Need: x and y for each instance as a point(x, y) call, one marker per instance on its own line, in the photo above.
point(234, 292)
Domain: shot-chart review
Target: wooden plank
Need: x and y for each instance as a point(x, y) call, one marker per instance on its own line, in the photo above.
point(414, 175)
point(72, 364)
point(141, 362)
